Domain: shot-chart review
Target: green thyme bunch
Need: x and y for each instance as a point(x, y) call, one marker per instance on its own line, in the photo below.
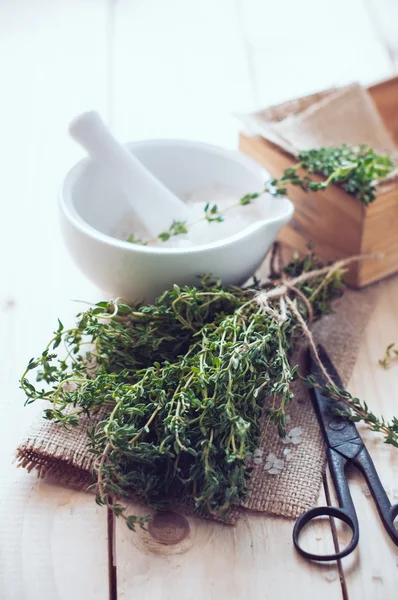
point(183, 384)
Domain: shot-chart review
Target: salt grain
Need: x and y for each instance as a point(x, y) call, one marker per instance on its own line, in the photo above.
point(365, 490)
point(331, 576)
point(295, 432)
point(274, 471)
point(293, 437)
point(297, 440)
point(274, 465)
point(377, 574)
point(287, 454)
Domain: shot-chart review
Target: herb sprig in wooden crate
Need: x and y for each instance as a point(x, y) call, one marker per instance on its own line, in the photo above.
point(335, 220)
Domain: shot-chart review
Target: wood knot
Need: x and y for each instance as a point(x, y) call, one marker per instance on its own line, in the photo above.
point(168, 528)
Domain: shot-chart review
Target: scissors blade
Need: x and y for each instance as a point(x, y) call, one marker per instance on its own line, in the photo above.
point(339, 432)
point(345, 445)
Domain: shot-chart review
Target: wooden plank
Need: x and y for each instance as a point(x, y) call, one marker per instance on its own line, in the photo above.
point(372, 572)
point(288, 63)
point(53, 542)
point(255, 559)
point(380, 235)
point(384, 15)
point(45, 530)
point(184, 85)
point(180, 70)
point(52, 62)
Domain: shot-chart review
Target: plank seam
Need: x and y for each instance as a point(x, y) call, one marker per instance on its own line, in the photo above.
point(343, 584)
point(110, 60)
point(111, 556)
point(248, 51)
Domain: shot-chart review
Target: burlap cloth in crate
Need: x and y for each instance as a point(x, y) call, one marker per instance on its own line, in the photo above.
point(62, 454)
point(328, 118)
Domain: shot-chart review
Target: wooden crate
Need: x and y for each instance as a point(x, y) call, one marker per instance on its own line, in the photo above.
point(338, 224)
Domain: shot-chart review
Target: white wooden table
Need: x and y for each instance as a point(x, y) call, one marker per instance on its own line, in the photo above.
point(155, 69)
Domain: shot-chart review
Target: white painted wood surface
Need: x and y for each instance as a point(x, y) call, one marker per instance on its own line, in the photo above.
point(156, 69)
point(53, 542)
point(310, 45)
point(384, 17)
point(254, 559)
point(179, 70)
point(377, 556)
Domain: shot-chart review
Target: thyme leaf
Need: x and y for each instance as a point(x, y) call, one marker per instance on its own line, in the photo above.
point(390, 353)
point(358, 410)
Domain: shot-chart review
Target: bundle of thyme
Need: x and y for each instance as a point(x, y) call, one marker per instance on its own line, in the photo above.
point(183, 382)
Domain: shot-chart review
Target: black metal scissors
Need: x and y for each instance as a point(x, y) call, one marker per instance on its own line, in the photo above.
point(344, 446)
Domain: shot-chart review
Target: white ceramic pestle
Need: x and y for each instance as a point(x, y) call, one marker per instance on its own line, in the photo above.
point(154, 204)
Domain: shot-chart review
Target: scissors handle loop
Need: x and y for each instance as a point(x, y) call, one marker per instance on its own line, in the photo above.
point(325, 511)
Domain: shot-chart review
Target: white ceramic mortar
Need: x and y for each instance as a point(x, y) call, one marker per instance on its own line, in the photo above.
point(91, 210)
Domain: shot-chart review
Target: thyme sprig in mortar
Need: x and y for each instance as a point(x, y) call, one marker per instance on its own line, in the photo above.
point(183, 384)
point(355, 169)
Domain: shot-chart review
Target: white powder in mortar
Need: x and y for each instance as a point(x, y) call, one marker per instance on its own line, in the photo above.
point(200, 231)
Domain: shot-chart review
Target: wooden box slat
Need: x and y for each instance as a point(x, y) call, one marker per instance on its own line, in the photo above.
point(338, 224)
point(385, 96)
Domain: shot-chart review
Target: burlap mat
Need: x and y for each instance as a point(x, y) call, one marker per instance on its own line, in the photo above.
point(62, 453)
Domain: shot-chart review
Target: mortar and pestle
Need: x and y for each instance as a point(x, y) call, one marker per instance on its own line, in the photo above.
point(148, 178)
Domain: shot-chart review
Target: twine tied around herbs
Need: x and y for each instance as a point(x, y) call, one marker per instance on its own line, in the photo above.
point(285, 287)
